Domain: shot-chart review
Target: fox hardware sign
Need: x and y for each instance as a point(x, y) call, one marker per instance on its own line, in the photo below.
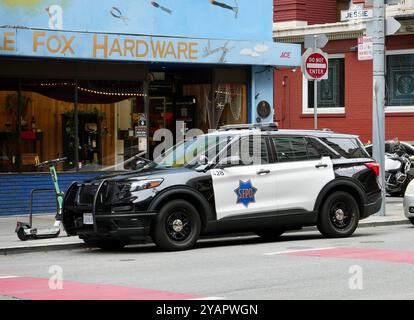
point(75, 45)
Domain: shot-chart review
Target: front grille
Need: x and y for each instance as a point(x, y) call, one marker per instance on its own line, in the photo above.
point(86, 194)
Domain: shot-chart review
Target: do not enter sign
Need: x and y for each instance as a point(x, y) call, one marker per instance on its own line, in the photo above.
point(315, 65)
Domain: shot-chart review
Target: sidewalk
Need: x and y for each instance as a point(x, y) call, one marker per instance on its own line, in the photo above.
point(9, 243)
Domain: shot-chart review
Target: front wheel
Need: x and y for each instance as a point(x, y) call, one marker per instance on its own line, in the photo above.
point(22, 235)
point(177, 226)
point(411, 220)
point(339, 215)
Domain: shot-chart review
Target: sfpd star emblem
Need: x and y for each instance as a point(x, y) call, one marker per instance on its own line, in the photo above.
point(245, 192)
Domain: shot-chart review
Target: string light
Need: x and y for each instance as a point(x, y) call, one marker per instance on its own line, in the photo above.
point(227, 93)
point(118, 94)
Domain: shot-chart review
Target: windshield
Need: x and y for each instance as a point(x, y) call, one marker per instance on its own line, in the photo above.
point(187, 153)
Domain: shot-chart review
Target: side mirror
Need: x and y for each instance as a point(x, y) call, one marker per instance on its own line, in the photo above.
point(202, 160)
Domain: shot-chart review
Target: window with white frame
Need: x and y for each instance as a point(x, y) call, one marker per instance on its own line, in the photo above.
point(400, 81)
point(331, 92)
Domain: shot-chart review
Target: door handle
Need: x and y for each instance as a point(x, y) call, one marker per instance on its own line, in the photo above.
point(321, 165)
point(262, 171)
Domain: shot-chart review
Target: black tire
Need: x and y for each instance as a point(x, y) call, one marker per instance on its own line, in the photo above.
point(411, 220)
point(270, 235)
point(177, 226)
point(109, 245)
point(22, 235)
point(339, 215)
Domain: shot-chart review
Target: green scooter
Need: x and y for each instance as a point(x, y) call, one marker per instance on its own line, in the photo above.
point(26, 231)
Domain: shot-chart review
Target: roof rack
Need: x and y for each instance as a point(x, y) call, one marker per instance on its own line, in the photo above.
point(271, 126)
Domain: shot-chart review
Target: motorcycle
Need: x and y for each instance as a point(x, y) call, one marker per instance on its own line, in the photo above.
point(397, 171)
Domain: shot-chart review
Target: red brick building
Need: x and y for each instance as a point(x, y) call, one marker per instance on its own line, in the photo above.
point(345, 99)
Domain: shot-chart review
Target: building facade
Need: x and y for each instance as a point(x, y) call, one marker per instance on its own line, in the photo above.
point(345, 99)
point(92, 81)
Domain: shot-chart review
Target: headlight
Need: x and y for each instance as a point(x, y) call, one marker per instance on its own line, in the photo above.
point(145, 184)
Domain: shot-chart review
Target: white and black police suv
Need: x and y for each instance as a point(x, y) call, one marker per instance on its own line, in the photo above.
point(252, 178)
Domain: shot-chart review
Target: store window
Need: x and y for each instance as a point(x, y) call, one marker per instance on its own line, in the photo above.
point(331, 92)
point(90, 122)
point(400, 81)
point(219, 104)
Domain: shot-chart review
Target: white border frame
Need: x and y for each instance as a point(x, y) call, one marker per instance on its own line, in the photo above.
point(305, 109)
point(398, 109)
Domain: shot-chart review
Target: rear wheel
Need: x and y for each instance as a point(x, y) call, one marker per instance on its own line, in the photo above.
point(177, 226)
point(411, 220)
point(270, 235)
point(339, 215)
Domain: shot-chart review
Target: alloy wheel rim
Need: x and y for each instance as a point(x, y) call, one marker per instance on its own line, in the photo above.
point(341, 215)
point(178, 226)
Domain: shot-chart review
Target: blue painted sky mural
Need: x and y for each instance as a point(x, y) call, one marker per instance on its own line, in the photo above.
point(208, 19)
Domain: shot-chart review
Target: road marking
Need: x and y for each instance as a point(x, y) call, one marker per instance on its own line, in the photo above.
point(296, 251)
point(209, 298)
point(8, 277)
point(38, 289)
point(394, 256)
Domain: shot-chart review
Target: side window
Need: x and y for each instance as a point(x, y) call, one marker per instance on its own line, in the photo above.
point(347, 147)
point(314, 151)
point(290, 149)
point(251, 150)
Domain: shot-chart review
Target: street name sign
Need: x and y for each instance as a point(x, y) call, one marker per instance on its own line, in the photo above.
point(356, 12)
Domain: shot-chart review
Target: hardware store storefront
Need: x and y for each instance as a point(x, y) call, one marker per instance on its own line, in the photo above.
point(97, 97)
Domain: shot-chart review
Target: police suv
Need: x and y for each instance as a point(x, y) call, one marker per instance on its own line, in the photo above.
point(240, 178)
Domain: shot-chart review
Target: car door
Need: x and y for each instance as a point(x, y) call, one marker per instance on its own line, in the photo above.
point(300, 173)
point(241, 189)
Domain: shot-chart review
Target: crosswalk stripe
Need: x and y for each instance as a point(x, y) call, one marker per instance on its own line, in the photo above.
point(296, 251)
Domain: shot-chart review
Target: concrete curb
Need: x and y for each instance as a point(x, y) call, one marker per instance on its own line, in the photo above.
point(81, 245)
point(383, 223)
point(41, 248)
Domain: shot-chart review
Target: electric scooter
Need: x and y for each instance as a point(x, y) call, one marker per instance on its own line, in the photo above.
point(26, 231)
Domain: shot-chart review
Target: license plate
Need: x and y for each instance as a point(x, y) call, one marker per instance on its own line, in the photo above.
point(87, 218)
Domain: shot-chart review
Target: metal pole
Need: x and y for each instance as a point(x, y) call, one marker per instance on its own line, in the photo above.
point(315, 104)
point(378, 114)
point(315, 90)
point(147, 114)
point(19, 127)
point(76, 120)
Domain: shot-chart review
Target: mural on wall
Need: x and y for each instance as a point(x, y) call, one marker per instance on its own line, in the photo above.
point(55, 13)
point(243, 19)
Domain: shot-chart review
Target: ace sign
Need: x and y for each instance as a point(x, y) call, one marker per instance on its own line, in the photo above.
point(315, 65)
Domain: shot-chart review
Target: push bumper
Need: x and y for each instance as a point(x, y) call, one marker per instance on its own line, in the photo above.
point(119, 226)
point(121, 221)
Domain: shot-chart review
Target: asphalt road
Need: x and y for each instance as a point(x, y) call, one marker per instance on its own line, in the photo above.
point(376, 263)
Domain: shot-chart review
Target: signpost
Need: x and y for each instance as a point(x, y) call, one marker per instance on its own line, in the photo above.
point(365, 48)
point(315, 68)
